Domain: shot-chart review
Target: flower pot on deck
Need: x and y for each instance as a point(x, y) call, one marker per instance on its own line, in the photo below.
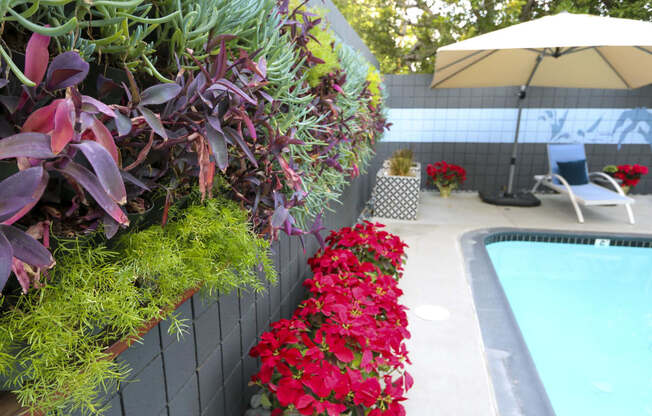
point(397, 197)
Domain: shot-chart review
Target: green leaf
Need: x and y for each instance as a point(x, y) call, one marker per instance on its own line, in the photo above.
point(264, 400)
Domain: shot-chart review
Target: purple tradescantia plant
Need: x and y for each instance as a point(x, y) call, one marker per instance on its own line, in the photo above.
point(18, 250)
point(65, 138)
point(52, 135)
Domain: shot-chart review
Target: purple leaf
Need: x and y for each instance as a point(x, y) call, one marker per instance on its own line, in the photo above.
point(10, 205)
point(237, 138)
point(101, 135)
point(105, 85)
point(93, 186)
point(159, 94)
point(64, 125)
point(42, 120)
point(26, 248)
point(23, 278)
point(262, 66)
point(280, 215)
point(111, 227)
point(34, 145)
point(93, 106)
point(220, 60)
point(153, 121)
point(250, 125)
point(318, 226)
point(266, 96)
point(3, 82)
point(226, 85)
point(66, 70)
point(215, 123)
point(6, 254)
point(128, 177)
point(196, 84)
point(218, 146)
point(123, 123)
point(105, 168)
point(37, 57)
point(20, 192)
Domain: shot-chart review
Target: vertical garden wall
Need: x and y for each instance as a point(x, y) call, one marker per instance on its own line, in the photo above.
point(164, 174)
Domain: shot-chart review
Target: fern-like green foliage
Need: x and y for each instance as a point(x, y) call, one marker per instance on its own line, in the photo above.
point(324, 48)
point(374, 79)
point(53, 340)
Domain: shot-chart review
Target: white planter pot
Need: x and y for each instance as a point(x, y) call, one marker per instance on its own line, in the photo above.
point(397, 197)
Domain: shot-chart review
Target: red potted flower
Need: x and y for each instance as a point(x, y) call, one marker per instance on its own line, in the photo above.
point(629, 175)
point(446, 176)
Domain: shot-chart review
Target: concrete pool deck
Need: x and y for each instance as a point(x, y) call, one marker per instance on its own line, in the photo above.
point(448, 358)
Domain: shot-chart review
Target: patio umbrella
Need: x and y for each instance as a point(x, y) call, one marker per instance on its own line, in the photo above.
point(565, 50)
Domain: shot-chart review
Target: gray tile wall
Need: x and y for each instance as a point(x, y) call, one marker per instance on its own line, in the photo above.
point(206, 372)
point(413, 91)
point(487, 164)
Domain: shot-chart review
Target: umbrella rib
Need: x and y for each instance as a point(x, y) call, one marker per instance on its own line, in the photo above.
point(464, 68)
point(457, 61)
point(643, 49)
point(604, 58)
point(576, 49)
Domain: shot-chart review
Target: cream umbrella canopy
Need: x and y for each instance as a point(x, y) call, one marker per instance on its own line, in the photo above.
point(565, 50)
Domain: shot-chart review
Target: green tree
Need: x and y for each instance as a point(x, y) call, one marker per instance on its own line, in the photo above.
point(405, 34)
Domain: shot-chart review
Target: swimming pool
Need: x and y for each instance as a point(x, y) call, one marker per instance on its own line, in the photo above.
point(585, 312)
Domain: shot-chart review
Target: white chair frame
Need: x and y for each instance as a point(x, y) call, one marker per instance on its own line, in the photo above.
point(547, 180)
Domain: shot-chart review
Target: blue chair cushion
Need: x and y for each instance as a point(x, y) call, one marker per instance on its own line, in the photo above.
point(574, 172)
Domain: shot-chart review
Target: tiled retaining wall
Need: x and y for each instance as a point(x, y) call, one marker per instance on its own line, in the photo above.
point(474, 127)
point(207, 371)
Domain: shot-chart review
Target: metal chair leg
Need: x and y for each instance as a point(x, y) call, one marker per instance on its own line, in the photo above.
point(630, 214)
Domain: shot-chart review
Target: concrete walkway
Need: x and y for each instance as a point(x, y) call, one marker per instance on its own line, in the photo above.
point(448, 360)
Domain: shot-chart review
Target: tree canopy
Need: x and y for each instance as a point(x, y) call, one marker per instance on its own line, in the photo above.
point(405, 34)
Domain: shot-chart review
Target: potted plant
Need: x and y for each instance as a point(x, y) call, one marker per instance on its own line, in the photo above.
point(396, 194)
point(446, 176)
point(627, 175)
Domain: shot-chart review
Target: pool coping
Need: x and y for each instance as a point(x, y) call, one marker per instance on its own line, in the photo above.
point(518, 389)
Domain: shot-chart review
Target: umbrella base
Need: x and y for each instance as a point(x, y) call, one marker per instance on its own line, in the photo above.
point(519, 199)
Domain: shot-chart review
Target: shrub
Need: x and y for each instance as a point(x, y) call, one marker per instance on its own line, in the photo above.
point(400, 164)
point(343, 350)
point(102, 294)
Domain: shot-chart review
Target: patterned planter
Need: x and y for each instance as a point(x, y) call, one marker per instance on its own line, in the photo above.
point(397, 197)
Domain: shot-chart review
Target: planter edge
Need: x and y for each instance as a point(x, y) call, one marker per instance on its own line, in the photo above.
point(9, 405)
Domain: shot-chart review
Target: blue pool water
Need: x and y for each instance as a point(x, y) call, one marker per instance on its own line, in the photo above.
point(586, 315)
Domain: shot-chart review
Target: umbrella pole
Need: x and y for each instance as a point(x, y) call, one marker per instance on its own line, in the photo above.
point(509, 198)
point(512, 162)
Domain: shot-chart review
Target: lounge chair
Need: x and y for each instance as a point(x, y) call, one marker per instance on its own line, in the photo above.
point(588, 194)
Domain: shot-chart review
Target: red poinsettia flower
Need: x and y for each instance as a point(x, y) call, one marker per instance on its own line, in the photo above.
point(331, 356)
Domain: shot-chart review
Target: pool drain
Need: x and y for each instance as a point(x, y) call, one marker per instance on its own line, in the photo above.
point(432, 313)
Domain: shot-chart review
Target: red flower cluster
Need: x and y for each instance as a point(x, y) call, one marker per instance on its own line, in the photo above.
point(369, 244)
point(343, 350)
point(630, 174)
point(446, 174)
